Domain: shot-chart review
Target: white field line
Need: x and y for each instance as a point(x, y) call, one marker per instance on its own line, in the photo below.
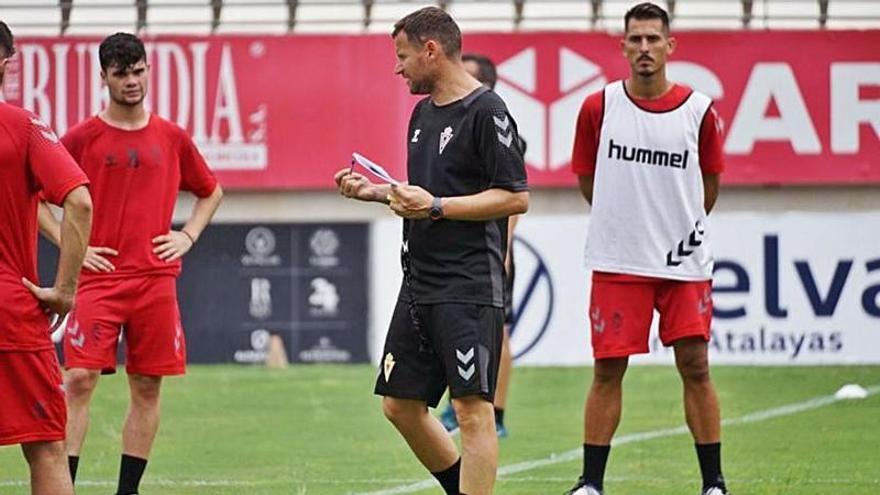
point(575, 454)
point(650, 479)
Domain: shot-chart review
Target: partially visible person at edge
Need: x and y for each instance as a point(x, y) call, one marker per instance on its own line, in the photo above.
point(34, 164)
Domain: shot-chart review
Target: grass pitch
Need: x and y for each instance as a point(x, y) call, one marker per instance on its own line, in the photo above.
point(319, 430)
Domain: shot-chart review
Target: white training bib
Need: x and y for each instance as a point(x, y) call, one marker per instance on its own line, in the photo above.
point(648, 216)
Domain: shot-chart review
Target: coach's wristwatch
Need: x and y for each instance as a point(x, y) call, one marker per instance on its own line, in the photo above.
point(436, 211)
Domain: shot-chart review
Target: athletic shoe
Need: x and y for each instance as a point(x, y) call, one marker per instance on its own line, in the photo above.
point(582, 488)
point(501, 430)
point(714, 490)
point(450, 422)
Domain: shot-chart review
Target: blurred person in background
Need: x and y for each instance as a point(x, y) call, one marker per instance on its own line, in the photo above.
point(483, 69)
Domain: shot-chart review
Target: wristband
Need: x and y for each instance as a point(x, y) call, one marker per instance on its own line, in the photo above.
point(191, 239)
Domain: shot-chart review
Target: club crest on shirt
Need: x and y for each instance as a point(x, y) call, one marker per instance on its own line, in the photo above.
point(445, 137)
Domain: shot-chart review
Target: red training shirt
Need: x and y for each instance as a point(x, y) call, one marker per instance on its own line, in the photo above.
point(32, 164)
point(135, 178)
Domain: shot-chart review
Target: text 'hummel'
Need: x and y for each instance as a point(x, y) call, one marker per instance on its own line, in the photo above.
point(647, 156)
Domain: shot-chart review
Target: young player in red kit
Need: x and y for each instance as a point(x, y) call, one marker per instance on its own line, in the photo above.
point(32, 164)
point(647, 153)
point(137, 162)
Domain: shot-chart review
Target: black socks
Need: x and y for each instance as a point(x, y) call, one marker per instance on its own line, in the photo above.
point(131, 469)
point(499, 416)
point(449, 478)
point(595, 458)
point(709, 455)
point(73, 464)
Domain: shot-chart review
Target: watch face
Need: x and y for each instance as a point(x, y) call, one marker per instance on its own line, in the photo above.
point(436, 211)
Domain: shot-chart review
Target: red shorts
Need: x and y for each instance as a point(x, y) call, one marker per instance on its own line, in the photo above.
point(33, 408)
point(622, 308)
point(145, 307)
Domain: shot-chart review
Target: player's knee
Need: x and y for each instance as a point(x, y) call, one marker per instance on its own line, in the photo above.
point(473, 412)
point(38, 453)
point(80, 382)
point(694, 370)
point(607, 372)
point(400, 411)
point(145, 389)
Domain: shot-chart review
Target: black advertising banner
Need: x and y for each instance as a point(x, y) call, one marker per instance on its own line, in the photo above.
point(243, 283)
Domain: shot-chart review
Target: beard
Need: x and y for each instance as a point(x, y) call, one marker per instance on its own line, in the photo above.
point(423, 87)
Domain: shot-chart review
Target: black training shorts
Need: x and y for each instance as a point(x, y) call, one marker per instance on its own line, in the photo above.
point(432, 346)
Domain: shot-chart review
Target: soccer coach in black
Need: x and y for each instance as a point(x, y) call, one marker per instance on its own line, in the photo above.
point(466, 176)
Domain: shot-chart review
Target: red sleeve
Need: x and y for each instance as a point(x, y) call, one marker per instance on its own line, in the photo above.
point(711, 153)
point(195, 176)
point(74, 143)
point(54, 169)
point(586, 137)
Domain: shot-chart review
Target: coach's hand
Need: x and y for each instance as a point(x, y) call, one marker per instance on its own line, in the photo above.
point(95, 260)
point(172, 245)
point(356, 186)
point(410, 202)
point(54, 300)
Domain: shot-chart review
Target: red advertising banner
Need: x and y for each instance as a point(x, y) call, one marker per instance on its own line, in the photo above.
point(286, 112)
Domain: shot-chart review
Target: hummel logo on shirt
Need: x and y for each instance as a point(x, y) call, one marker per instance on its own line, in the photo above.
point(415, 138)
point(505, 135)
point(647, 156)
point(45, 130)
point(445, 137)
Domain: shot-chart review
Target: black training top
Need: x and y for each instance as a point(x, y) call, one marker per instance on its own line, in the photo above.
point(460, 149)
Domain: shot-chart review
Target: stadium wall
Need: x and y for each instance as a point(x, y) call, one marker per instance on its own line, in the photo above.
point(802, 111)
point(824, 227)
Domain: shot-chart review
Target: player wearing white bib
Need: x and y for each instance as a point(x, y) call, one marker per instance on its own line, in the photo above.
point(647, 154)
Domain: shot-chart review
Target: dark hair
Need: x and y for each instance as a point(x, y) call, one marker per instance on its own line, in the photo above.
point(486, 72)
point(122, 50)
point(646, 11)
point(7, 42)
point(431, 23)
